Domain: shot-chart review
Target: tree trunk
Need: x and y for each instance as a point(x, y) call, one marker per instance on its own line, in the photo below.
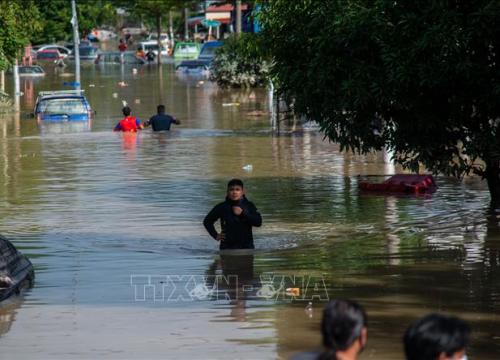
point(492, 175)
point(186, 24)
point(238, 17)
point(158, 30)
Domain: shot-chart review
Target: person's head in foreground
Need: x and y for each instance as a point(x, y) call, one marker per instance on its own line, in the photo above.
point(437, 337)
point(235, 190)
point(126, 111)
point(344, 329)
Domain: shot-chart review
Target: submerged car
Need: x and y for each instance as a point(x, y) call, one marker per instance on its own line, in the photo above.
point(30, 70)
point(208, 50)
point(153, 45)
point(65, 105)
point(186, 50)
point(116, 57)
point(49, 55)
point(193, 67)
point(16, 271)
point(86, 53)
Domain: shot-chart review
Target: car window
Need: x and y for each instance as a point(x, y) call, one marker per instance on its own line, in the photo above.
point(209, 50)
point(62, 106)
point(47, 55)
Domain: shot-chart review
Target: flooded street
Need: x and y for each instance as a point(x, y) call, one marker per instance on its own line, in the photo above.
point(113, 225)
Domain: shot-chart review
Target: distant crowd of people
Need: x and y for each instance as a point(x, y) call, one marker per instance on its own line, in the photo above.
point(345, 333)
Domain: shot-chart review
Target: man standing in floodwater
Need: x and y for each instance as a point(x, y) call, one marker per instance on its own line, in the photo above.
point(237, 216)
point(128, 123)
point(162, 121)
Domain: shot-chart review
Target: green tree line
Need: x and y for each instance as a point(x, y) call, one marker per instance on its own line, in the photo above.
point(419, 78)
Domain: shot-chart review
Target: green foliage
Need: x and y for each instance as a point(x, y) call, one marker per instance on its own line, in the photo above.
point(15, 31)
point(56, 15)
point(240, 63)
point(425, 74)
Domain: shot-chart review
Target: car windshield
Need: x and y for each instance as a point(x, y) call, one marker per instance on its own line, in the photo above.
point(62, 106)
point(47, 55)
point(30, 70)
point(85, 51)
point(187, 48)
point(209, 51)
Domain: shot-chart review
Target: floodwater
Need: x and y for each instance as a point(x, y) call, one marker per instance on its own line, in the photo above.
point(125, 270)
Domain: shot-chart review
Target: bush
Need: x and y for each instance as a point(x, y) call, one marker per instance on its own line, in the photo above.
point(240, 63)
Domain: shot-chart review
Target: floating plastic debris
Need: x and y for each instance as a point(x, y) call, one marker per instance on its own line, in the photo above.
point(309, 309)
point(137, 101)
point(248, 167)
point(115, 95)
point(122, 84)
point(91, 85)
point(124, 102)
point(134, 71)
point(293, 291)
point(231, 104)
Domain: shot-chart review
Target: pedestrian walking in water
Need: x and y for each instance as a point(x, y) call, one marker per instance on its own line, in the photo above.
point(237, 216)
point(128, 123)
point(162, 121)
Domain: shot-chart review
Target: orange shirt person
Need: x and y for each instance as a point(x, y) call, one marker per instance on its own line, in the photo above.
point(128, 123)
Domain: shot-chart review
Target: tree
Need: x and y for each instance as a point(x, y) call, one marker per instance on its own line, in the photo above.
point(420, 78)
point(15, 31)
point(56, 15)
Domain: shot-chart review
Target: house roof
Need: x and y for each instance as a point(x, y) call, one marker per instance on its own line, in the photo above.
point(225, 8)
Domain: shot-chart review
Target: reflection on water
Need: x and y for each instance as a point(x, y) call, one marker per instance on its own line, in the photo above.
point(93, 208)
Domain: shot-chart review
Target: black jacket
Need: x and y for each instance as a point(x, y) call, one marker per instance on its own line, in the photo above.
point(237, 229)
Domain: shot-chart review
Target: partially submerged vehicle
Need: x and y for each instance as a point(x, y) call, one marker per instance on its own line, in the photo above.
point(64, 105)
point(30, 70)
point(186, 50)
point(193, 67)
point(117, 57)
point(208, 50)
point(403, 184)
point(85, 52)
point(16, 271)
point(153, 45)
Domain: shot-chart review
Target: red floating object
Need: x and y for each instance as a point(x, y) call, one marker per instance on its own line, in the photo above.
point(402, 183)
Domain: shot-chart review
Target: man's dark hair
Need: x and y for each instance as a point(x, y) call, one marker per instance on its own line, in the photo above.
point(234, 182)
point(342, 323)
point(126, 111)
point(160, 109)
point(434, 334)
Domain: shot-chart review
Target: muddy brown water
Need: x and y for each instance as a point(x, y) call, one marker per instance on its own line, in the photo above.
point(112, 223)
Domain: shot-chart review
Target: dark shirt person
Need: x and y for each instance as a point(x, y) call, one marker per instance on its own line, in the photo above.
point(437, 337)
point(237, 216)
point(162, 121)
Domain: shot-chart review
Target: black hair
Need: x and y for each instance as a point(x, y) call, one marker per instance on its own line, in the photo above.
point(126, 111)
point(343, 321)
point(235, 182)
point(160, 109)
point(434, 334)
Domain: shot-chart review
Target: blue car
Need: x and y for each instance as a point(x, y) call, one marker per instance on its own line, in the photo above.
point(65, 105)
point(207, 52)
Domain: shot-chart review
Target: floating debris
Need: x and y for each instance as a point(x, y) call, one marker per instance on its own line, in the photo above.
point(137, 101)
point(256, 113)
point(248, 167)
point(293, 291)
point(134, 71)
point(231, 104)
point(115, 95)
point(122, 84)
point(91, 85)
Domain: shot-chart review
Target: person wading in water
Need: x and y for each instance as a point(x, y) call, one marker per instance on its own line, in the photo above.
point(237, 216)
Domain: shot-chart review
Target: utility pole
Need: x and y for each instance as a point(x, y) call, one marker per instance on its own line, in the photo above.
point(76, 44)
point(238, 17)
point(186, 24)
point(171, 30)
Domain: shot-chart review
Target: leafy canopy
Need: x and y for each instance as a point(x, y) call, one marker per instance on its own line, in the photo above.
point(420, 78)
